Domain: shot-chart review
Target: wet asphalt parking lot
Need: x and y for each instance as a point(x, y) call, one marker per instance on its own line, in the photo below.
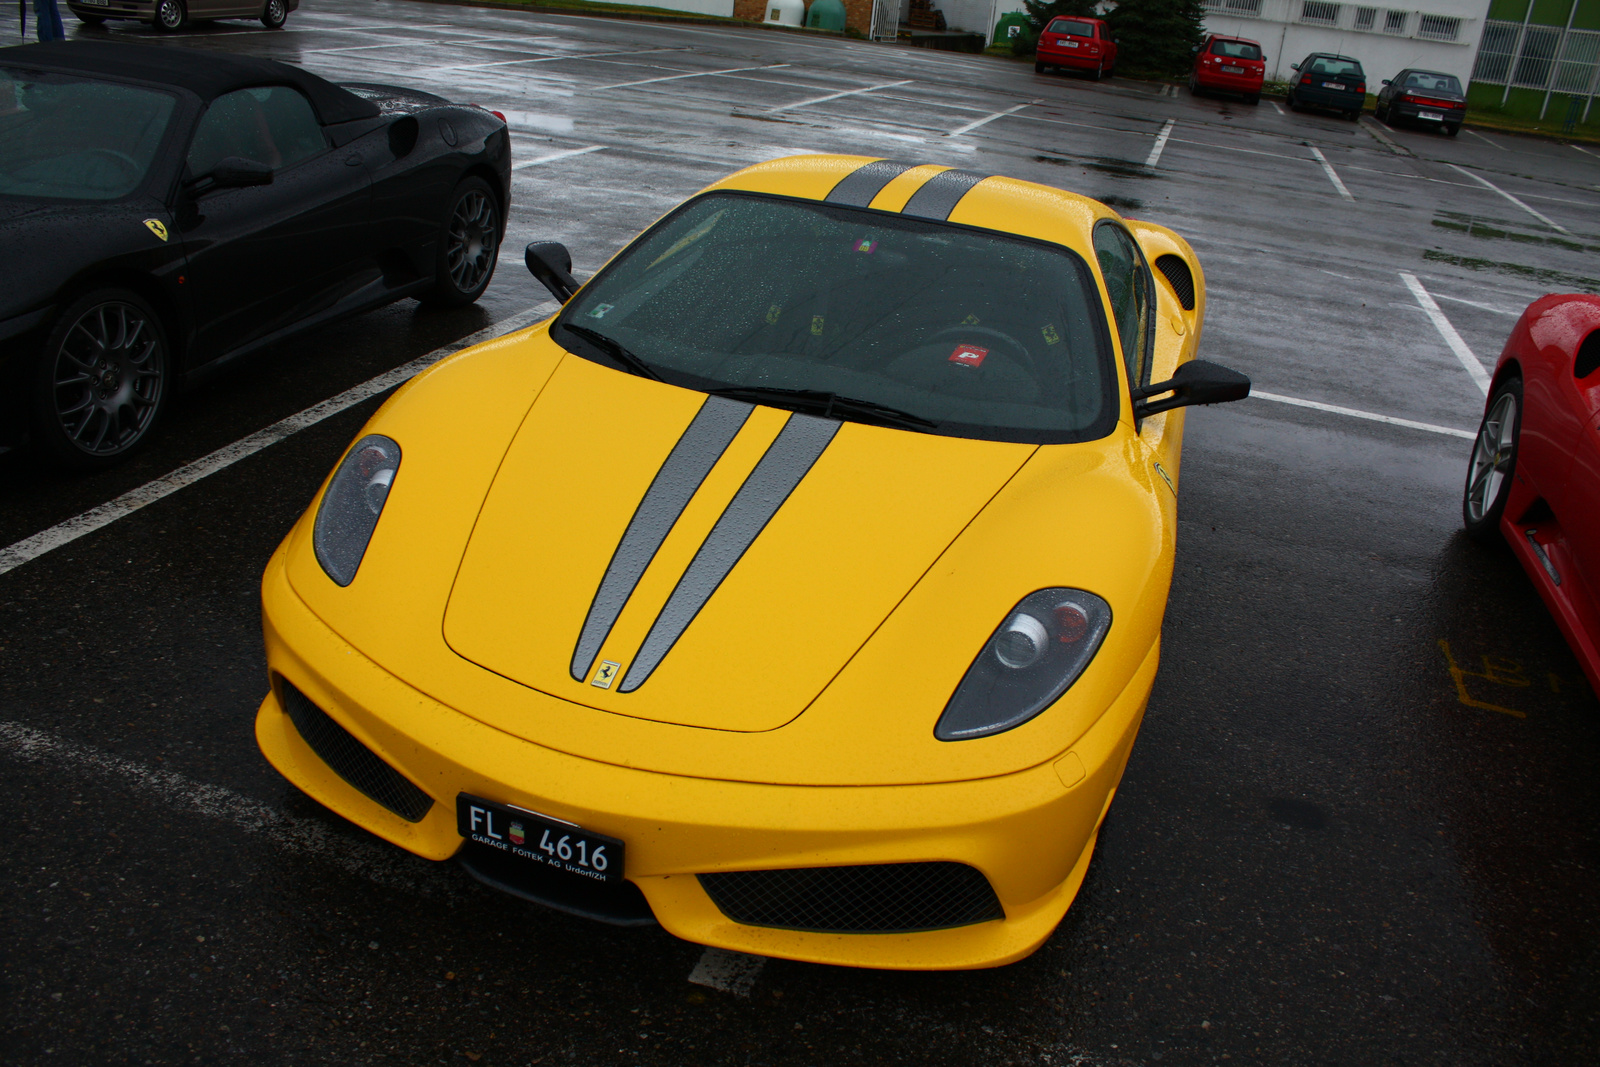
point(1359, 826)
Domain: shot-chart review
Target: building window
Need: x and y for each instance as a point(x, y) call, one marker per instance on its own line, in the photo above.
point(1394, 22)
point(1499, 44)
point(1538, 56)
point(1235, 7)
point(1365, 17)
point(1319, 12)
point(1579, 57)
point(1438, 27)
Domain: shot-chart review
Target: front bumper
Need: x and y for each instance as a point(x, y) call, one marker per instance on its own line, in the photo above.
point(1030, 834)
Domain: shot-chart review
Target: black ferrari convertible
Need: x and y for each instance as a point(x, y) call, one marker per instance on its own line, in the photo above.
point(164, 211)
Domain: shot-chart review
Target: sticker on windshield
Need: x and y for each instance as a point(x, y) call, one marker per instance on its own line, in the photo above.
point(772, 314)
point(600, 310)
point(1050, 335)
point(867, 245)
point(969, 355)
point(816, 326)
point(971, 320)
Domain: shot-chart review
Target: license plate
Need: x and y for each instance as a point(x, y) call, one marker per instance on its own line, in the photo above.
point(539, 839)
point(1433, 116)
point(1070, 44)
point(1333, 85)
point(96, 3)
point(1233, 70)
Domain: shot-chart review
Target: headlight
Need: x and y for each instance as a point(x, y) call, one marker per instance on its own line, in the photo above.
point(1037, 653)
point(352, 504)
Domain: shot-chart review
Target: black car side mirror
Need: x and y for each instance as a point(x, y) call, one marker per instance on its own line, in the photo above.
point(236, 172)
point(551, 263)
point(1294, 66)
point(1386, 81)
point(1196, 382)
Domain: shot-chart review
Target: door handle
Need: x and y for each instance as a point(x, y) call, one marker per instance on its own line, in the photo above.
point(352, 161)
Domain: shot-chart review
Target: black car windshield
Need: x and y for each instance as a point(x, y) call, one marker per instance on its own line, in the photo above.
point(1329, 65)
point(1235, 50)
point(1435, 83)
point(1076, 29)
point(73, 138)
point(862, 315)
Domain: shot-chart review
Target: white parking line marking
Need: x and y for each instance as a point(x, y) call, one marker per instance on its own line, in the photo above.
point(727, 972)
point(1256, 394)
point(1327, 168)
point(1480, 377)
point(358, 856)
point(1275, 106)
point(986, 120)
point(835, 96)
point(1482, 138)
point(689, 74)
point(31, 548)
point(555, 58)
point(1490, 185)
point(553, 156)
point(1585, 151)
point(1475, 304)
point(1161, 142)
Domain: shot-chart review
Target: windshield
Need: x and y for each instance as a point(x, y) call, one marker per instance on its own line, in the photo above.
point(965, 332)
point(73, 138)
point(1076, 29)
point(1435, 83)
point(1235, 50)
point(1326, 65)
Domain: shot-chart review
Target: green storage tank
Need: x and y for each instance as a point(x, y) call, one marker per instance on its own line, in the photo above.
point(826, 15)
point(1010, 27)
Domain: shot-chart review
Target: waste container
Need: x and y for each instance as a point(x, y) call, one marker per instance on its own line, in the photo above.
point(1011, 26)
point(825, 15)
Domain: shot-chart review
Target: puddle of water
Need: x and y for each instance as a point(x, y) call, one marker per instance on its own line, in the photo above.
point(1121, 203)
point(1476, 227)
point(1555, 278)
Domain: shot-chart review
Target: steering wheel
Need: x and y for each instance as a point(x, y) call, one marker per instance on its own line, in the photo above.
point(122, 159)
point(1015, 348)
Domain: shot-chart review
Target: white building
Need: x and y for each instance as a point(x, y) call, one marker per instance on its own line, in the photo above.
point(1386, 40)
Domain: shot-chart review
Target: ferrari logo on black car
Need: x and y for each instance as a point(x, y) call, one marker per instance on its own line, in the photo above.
point(157, 227)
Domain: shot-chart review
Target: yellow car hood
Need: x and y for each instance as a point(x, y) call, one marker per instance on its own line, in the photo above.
point(647, 551)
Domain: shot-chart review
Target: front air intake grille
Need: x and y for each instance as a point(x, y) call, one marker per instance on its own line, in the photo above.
point(883, 898)
point(351, 760)
point(1177, 272)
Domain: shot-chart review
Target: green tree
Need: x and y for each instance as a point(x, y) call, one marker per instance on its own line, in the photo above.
point(1040, 12)
point(1156, 36)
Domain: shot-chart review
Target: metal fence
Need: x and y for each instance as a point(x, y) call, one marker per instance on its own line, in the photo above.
point(1524, 55)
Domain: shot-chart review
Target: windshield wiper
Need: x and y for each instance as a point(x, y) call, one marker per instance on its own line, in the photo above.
point(615, 349)
point(828, 405)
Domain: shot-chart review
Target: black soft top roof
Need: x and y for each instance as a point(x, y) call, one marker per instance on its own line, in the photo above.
point(206, 74)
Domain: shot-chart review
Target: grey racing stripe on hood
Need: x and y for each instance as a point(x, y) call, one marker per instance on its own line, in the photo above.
point(786, 461)
point(939, 195)
point(714, 427)
point(857, 188)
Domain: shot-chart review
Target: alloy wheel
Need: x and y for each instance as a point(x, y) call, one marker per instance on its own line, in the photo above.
point(1491, 458)
point(108, 378)
point(473, 240)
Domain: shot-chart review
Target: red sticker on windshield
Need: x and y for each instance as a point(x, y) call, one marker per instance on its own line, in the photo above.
point(969, 355)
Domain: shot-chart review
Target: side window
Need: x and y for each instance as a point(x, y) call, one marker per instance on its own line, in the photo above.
point(272, 124)
point(1132, 301)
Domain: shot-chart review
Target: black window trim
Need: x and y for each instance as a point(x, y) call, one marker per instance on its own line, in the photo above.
point(1110, 401)
point(1148, 357)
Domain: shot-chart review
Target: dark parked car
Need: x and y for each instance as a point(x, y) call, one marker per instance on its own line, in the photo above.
point(1425, 97)
point(1336, 83)
point(166, 210)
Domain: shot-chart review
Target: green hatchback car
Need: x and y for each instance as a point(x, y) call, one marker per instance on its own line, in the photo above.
point(1336, 83)
point(171, 15)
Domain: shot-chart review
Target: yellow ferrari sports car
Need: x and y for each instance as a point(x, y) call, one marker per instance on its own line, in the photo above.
point(798, 586)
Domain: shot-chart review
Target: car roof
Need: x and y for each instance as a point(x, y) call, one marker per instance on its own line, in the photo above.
point(206, 74)
point(991, 202)
point(1334, 55)
point(1231, 37)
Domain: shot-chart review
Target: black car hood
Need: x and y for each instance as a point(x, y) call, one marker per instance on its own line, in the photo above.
point(393, 100)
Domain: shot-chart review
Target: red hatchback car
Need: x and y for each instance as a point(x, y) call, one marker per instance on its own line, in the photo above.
point(1534, 477)
point(1229, 64)
point(1077, 44)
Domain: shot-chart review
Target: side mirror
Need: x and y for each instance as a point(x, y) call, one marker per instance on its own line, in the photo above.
point(1386, 81)
point(1294, 66)
point(1196, 382)
point(551, 263)
point(236, 172)
point(1195, 49)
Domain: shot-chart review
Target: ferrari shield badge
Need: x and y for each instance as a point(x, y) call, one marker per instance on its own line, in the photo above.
point(157, 227)
point(605, 674)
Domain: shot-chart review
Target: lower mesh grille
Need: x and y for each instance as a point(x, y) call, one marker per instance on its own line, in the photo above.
point(1182, 279)
point(351, 760)
point(880, 898)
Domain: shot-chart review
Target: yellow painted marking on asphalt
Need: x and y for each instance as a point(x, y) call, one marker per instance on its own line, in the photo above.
point(1513, 677)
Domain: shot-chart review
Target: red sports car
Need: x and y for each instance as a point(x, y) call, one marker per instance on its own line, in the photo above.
point(1077, 44)
point(1535, 470)
point(1229, 64)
